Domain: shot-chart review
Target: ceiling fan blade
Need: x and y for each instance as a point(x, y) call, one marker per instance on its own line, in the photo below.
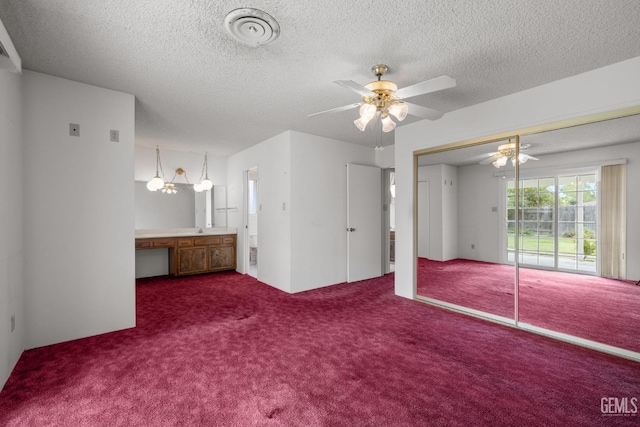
point(337, 110)
point(357, 88)
point(433, 85)
point(423, 112)
point(491, 159)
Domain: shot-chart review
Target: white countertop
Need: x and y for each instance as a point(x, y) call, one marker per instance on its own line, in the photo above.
point(183, 232)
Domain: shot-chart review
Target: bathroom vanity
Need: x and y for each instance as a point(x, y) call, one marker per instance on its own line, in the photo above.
point(191, 250)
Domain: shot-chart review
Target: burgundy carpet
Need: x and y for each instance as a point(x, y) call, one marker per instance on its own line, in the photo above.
point(595, 308)
point(225, 350)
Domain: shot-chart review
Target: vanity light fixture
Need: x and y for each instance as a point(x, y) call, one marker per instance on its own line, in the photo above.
point(204, 184)
point(156, 183)
point(159, 182)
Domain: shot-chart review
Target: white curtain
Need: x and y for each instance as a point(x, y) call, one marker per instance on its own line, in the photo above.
point(613, 222)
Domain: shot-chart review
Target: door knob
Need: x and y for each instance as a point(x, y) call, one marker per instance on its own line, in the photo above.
point(351, 229)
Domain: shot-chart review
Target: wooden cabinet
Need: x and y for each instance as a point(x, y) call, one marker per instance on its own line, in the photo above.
point(191, 260)
point(222, 257)
point(196, 254)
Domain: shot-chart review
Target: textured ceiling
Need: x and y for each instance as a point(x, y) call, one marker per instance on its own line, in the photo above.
point(198, 89)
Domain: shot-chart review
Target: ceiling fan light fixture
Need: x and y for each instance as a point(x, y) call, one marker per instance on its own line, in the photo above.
point(522, 158)
point(387, 124)
point(362, 122)
point(500, 162)
point(399, 110)
point(367, 111)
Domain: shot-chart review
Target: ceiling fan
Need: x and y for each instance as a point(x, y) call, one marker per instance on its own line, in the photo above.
point(382, 98)
point(507, 152)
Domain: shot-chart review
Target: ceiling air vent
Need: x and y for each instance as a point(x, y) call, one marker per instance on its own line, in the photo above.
point(252, 26)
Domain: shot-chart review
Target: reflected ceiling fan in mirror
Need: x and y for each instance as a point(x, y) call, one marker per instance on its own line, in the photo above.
point(382, 99)
point(507, 152)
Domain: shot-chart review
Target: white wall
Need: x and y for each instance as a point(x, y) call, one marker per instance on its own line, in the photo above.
point(605, 89)
point(79, 210)
point(386, 158)
point(302, 220)
point(478, 225)
point(12, 301)
point(273, 159)
point(319, 208)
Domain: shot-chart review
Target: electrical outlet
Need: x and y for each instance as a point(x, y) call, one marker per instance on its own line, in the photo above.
point(74, 129)
point(13, 322)
point(114, 136)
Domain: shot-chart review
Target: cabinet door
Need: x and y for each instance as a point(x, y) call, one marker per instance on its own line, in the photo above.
point(191, 260)
point(222, 258)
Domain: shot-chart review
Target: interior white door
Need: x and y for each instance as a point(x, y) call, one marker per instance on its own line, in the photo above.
point(423, 219)
point(364, 222)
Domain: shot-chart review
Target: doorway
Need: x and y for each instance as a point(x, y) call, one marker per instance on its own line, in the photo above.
point(252, 222)
point(389, 212)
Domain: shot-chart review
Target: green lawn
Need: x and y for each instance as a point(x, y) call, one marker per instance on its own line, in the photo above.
point(544, 244)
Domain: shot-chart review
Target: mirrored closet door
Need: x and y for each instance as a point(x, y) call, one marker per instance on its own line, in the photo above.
point(538, 230)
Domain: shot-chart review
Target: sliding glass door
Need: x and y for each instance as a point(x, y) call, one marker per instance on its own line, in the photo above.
point(558, 222)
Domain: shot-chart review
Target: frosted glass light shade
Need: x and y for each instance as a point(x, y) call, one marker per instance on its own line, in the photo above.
point(197, 188)
point(387, 124)
point(155, 184)
point(399, 111)
point(500, 162)
point(362, 122)
point(206, 185)
point(367, 111)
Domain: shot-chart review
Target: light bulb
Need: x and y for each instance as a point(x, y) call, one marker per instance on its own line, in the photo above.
point(362, 122)
point(387, 124)
point(399, 110)
point(206, 185)
point(367, 111)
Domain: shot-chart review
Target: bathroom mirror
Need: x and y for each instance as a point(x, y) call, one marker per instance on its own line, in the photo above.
point(185, 209)
point(553, 252)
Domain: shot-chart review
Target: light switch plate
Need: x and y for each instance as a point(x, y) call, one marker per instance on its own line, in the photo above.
point(74, 129)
